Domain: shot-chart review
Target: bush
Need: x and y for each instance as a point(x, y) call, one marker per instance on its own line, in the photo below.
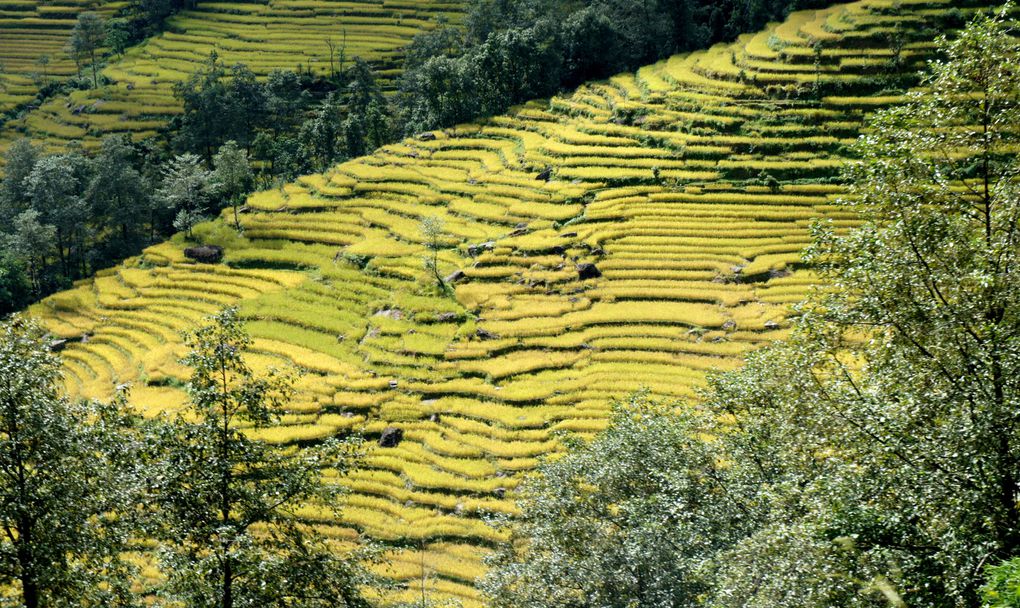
point(1002, 589)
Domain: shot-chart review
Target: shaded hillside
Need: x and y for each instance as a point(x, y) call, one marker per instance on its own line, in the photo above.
point(690, 186)
point(281, 34)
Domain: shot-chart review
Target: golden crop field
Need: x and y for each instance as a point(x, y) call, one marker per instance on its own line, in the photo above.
point(278, 34)
point(694, 211)
point(32, 39)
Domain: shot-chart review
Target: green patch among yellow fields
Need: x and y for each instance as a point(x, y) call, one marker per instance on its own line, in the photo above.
point(697, 257)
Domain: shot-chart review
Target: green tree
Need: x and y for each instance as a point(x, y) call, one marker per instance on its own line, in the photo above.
point(118, 35)
point(1002, 588)
point(444, 40)
point(15, 287)
point(320, 135)
point(366, 126)
point(232, 177)
point(66, 483)
point(432, 233)
point(248, 98)
point(116, 193)
point(29, 243)
point(18, 164)
point(627, 520)
point(229, 505)
point(900, 389)
point(87, 38)
point(55, 189)
point(185, 190)
point(209, 115)
point(440, 93)
point(284, 99)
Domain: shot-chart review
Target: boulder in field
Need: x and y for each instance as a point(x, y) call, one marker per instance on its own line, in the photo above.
point(391, 437)
point(483, 334)
point(206, 254)
point(474, 250)
point(588, 271)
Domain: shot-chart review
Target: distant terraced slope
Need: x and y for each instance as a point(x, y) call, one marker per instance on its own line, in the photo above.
point(30, 30)
point(654, 179)
point(277, 34)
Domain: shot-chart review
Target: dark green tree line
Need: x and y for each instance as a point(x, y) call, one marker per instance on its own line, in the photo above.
point(511, 51)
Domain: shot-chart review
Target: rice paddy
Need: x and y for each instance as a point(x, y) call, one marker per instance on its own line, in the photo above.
point(692, 220)
point(32, 39)
point(319, 37)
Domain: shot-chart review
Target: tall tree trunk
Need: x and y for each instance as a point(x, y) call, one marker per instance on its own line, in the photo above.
point(26, 561)
point(228, 584)
point(30, 591)
point(95, 76)
point(60, 251)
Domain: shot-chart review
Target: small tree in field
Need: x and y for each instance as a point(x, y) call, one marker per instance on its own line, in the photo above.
point(432, 233)
point(232, 176)
point(88, 35)
point(229, 505)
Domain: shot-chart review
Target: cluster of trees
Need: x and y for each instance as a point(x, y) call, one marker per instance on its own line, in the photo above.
point(871, 460)
point(291, 124)
point(62, 216)
point(85, 486)
point(514, 50)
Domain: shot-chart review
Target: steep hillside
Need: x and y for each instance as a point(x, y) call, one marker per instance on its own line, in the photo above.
point(30, 31)
point(279, 34)
point(690, 187)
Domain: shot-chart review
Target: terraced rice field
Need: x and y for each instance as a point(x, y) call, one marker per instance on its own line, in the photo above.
point(277, 34)
point(654, 180)
point(31, 30)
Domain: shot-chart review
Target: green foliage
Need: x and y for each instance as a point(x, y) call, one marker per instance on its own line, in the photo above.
point(444, 40)
point(66, 483)
point(366, 126)
point(15, 286)
point(1002, 587)
point(186, 189)
point(212, 109)
point(232, 176)
point(523, 49)
point(88, 35)
point(228, 506)
point(116, 188)
point(431, 229)
point(118, 35)
point(218, 233)
point(626, 520)
point(872, 459)
point(27, 243)
point(439, 93)
point(18, 164)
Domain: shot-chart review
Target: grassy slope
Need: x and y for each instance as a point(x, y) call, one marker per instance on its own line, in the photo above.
point(648, 182)
point(30, 30)
point(278, 34)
